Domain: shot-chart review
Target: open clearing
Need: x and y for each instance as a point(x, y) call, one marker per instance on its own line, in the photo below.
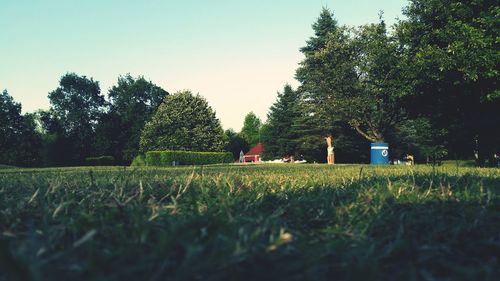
point(255, 222)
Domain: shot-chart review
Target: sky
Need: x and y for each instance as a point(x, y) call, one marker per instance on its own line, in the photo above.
point(236, 54)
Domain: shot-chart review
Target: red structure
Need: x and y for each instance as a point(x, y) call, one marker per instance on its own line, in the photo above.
point(254, 154)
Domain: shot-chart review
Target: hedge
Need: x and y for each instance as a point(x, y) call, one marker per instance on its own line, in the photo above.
point(167, 158)
point(100, 161)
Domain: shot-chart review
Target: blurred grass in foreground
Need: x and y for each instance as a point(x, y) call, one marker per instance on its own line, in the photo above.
point(250, 222)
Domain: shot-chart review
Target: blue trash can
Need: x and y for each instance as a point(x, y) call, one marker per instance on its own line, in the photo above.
point(379, 153)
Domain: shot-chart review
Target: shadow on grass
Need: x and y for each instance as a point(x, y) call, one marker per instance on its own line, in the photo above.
point(408, 227)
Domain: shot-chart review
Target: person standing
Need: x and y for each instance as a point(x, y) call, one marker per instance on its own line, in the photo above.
point(330, 154)
point(242, 157)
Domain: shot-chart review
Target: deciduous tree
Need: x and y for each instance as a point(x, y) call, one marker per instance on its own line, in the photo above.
point(452, 49)
point(251, 129)
point(183, 122)
point(20, 142)
point(76, 106)
point(132, 102)
point(235, 143)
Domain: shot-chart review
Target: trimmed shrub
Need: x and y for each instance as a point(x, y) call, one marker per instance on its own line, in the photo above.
point(153, 158)
point(167, 158)
point(100, 161)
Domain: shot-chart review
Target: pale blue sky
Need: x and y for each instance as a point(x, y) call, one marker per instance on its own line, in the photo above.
point(237, 54)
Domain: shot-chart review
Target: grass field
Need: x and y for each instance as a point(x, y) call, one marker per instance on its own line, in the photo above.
point(255, 222)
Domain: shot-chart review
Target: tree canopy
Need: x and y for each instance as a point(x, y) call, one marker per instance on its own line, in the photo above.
point(251, 129)
point(19, 139)
point(132, 102)
point(183, 122)
point(453, 66)
point(278, 135)
point(428, 86)
point(76, 106)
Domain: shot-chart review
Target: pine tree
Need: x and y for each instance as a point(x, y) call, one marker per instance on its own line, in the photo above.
point(325, 24)
point(322, 73)
point(278, 136)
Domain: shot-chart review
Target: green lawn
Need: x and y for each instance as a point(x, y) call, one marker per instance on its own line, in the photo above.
point(255, 222)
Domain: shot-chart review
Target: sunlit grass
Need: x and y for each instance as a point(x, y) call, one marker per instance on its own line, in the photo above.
point(254, 222)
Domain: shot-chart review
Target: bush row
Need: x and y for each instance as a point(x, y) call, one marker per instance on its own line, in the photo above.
point(168, 158)
point(100, 161)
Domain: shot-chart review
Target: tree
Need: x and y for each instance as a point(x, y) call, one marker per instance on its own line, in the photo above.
point(324, 25)
point(278, 136)
point(452, 49)
point(10, 121)
point(421, 139)
point(132, 102)
point(251, 129)
point(19, 141)
point(373, 106)
point(235, 143)
point(312, 72)
point(183, 122)
point(76, 106)
point(29, 145)
point(327, 72)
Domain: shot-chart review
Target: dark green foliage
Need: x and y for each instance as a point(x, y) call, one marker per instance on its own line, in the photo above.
point(441, 64)
point(169, 158)
point(10, 120)
point(235, 143)
point(453, 61)
point(100, 161)
point(20, 141)
point(76, 106)
point(251, 129)
point(132, 102)
point(421, 139)
point(324, 25)
point(278, 135)
point(329, 84)
point(355, 79)
point(183, 122)
point(373, 108)
point(298, 222)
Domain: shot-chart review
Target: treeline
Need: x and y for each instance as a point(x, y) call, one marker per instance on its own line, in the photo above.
point(428, 86)
point(81, 123)
point(83, 127)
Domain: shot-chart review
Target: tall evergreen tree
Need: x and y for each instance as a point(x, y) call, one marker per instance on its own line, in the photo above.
point(353, 81)
point(327, 69)
point(325, 24)
point(279, 137)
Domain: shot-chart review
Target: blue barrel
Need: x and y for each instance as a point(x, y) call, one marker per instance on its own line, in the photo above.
point(379, 153)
